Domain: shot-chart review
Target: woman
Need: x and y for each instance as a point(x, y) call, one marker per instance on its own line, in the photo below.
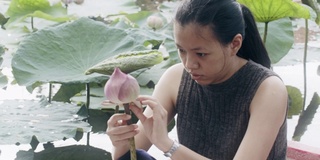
point(229, 104)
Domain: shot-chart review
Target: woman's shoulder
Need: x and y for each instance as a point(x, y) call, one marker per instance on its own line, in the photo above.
point(254, 69)
point(175, 69)
point(166, 89)
point(172, 75)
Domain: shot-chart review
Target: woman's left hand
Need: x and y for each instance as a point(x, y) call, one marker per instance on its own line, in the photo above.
point(155, 123)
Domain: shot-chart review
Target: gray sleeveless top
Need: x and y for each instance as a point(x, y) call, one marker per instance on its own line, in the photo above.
point(213, 119)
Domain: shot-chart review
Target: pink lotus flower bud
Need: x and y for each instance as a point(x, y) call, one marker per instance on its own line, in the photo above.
point(121, 88)
point(155, 22)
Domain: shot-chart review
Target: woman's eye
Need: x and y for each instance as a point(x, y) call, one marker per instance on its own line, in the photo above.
point(181, 51)
point(201, 54)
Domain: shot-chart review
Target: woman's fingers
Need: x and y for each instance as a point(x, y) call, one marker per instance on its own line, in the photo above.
point(138, 112)
point(158, 110)
point(145, 97)
point(114, 120)
point(120, 142)
point(117, 124)
point(122, 139)
point(118, 131)
point(153, 104)
point(148, 100)
point(121, 129)
point(123, 132)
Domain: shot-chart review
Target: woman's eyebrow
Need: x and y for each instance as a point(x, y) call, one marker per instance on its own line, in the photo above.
point(193, 49)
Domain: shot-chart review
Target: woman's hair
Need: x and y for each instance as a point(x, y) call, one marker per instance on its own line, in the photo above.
point(226, 18)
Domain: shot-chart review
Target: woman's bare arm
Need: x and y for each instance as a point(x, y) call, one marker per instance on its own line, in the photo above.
point(267, 114)
point(165, 92)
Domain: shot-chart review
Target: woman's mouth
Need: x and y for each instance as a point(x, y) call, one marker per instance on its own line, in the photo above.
point(195, 76)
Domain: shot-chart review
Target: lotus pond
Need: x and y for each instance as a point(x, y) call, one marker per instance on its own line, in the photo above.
point(49, 107)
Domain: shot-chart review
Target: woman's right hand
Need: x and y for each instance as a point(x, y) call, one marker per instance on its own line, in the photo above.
point(118, 130)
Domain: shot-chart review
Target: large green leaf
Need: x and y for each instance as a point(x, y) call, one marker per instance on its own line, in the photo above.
point(3, 20)
point(3, 78)
point(150, 77)
point(295, 101)
point(21, 9)
point(66, 91)
point(279, 38)
point(1, 53)
point(270, 10)
point(316, 8)
point(306, 117)
point(139, 18)
point(22, 119)
point(63, 53)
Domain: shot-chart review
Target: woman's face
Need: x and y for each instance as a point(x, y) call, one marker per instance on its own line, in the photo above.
point(201, 54)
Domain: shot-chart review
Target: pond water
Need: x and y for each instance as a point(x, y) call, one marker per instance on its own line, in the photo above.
point(290, 69)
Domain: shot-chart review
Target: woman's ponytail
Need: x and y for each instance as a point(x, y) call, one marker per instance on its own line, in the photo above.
point(252, 45)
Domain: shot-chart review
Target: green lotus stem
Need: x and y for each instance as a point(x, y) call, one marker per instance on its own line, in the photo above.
point(88, 110)
point(265, 33)
point(116, 109)
point(32, 27)
point(50, 92)
point(133, 153)
point(304, 64)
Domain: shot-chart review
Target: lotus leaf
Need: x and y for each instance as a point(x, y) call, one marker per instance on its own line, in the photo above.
point(1, 53)
point(21, 119)
point(63, 53)
point(280, 38)
point(295, 101)
point(270, 10)
point(306, 117)
point(3, 79)
point(21, 9)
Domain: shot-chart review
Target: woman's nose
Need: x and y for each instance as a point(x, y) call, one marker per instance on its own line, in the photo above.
point(191, 63)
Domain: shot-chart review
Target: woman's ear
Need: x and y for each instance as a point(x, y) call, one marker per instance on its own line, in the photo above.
point(236, 43)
